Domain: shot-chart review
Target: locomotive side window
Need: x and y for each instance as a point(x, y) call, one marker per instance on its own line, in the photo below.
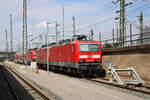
point(73, 47)
point(34, 53)
point(89, 47)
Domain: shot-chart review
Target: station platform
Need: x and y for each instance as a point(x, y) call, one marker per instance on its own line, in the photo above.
point(61, 87)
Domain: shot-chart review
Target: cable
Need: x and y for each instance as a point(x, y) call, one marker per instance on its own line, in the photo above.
point(101, 22)
point(19, 14)
point(28, 2)
point(144, 8)
point(139, 7)
point(134, 10)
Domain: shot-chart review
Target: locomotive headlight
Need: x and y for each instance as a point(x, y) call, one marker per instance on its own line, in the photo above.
point(83, 56)
point(80, 60)
point(95, 56)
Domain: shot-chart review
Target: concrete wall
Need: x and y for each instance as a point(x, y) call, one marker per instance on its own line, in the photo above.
point(140, 62)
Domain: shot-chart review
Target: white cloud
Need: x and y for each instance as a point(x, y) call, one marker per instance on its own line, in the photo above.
point(43, 24)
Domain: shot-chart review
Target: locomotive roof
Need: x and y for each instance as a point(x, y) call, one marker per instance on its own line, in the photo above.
point(79, 37)
point(78, 42)
point(76, 39)
point(32, 49)
point(69, 42)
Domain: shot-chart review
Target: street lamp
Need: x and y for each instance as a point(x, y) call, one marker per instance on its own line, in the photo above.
point(56, 25)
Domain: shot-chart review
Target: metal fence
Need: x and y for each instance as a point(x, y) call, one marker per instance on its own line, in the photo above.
point(132, 40)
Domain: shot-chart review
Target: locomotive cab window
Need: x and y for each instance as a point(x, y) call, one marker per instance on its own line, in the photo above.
point(89, 47)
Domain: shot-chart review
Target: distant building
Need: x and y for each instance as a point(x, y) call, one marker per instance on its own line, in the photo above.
point(146, 36)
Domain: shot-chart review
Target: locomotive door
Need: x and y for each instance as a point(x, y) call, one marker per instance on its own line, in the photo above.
point(73, 53)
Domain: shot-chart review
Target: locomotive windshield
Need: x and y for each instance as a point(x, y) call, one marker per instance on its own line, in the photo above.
point(89, 47)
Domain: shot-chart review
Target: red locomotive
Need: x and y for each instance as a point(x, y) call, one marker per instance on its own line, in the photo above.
point(78, 56)
point(31, 55)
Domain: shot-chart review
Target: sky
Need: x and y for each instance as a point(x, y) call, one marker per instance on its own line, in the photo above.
point(98, 15)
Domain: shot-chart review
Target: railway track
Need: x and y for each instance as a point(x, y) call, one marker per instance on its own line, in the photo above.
point(36, 93)
point(6, 87)
point(143, 89)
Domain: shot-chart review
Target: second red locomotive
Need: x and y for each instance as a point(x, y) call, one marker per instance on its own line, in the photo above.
point(30, 56)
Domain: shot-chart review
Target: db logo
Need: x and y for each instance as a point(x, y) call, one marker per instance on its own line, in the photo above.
point(89, 56)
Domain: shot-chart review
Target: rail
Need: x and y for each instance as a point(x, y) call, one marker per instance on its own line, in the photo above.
point(3, 73)
point(39, 92)
point(139, 90)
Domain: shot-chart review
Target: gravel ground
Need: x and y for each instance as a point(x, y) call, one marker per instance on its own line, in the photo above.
point(68, 88)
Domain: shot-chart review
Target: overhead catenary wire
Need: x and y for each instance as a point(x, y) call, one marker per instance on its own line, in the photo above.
point(18, 16)
point(139, 7)
point(100, 22)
